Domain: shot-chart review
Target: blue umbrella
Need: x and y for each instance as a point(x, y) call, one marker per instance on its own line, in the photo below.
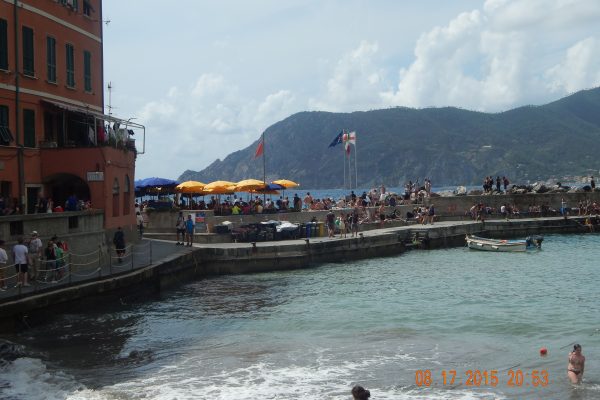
point(273, 186)
point(154, 182)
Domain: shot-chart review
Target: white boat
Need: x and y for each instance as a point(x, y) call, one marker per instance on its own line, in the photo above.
point(479, 243)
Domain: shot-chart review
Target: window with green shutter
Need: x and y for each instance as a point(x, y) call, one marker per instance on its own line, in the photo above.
point(5, 134)
point(87, 71)
point(28, 128)
point(70, 65)
point(51, 58)
point(28, 60)
point(3, 44)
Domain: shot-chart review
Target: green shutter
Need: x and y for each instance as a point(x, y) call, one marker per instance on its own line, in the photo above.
point(28, 60)
point(28, 128)
point(87, 70)
point(70, 66)
point(3, 44)
point(51, 58)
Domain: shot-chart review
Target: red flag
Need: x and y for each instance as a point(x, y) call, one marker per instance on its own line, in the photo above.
point(259, 149)
point(347, 148)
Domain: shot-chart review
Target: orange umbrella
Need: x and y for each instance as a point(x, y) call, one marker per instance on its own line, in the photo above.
point(248, 185)
point(190, 187)
point(286, 183)
point(219, 187)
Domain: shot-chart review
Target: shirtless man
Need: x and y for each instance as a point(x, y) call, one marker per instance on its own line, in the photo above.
point(308, 201)
point(576, 365)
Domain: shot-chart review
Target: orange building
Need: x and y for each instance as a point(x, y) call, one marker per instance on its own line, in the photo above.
point(55, 140)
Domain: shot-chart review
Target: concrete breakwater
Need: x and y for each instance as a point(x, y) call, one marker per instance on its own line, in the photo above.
point(238, 258)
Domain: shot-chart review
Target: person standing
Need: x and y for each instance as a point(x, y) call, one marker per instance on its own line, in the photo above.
point(180, 227)
point(576, 365)
point(3, 261)
point(330, 218)
point(431, 213)
point(592, 183)
point(35, 254)
point(189, 230)
point(140, 222)
point(50, 267)
point(20, 256)
point(119, 242)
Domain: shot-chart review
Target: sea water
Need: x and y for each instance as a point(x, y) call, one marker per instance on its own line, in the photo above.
point(313, 333)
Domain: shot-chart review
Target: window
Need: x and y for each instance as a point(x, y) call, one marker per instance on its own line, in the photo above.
point(28, 128)
point(28, 61)
point(5, 134)
point(87, 8)
point(115, 190)
point(51, 58)
point(126, 199)
point(72, 4)
point(3, 44)
point(70, 65)
point(87, 71)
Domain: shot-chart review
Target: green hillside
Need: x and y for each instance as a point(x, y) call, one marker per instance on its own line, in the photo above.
point(449, 145)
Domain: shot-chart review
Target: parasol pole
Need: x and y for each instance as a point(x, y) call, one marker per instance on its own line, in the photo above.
point(264, 168)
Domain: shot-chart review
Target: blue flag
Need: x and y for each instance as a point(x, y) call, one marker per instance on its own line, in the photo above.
point(338, 139)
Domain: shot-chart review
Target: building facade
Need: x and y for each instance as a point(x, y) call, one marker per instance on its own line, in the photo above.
point(56, 142)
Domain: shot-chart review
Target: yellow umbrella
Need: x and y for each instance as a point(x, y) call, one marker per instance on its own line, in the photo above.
point(190, 187)
point(219, 187)
point(286, 183)
point(249, 185)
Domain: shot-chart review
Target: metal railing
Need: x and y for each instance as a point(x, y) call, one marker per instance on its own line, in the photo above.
point(72, 268)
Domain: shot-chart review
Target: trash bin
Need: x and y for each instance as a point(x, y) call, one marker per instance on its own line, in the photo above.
point(321, 229)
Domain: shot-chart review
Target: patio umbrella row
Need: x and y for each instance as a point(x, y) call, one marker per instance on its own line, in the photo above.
point(226, 187)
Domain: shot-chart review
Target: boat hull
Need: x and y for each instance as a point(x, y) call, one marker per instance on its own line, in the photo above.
point(483, 244)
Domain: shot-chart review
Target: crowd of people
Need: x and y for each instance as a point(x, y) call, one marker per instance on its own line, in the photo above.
point(34, 261)
point(44, 205)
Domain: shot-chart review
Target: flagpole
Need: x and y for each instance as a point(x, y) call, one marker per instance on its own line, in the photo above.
point(344, 157)
point(348, 155)
point(355, 167)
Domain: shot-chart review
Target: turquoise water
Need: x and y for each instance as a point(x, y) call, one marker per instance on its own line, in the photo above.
point(314, 333)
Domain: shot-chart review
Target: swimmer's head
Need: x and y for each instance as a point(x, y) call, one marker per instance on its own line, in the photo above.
point(577, 347)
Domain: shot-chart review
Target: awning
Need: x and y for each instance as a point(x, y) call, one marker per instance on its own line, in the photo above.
point(88, 111)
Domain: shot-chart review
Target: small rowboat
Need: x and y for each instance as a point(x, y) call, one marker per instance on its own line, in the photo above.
point(479, 243)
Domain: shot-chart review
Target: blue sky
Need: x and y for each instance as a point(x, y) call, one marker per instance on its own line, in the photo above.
point(208, 77)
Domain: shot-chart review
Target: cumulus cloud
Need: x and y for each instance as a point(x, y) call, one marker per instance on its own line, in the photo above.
point(190, 128)
point(503, 55)
point(355, 83)
point(579, 68)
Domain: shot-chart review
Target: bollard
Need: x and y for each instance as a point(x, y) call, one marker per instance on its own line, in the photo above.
point(132, 257)
point(150, 253)
point(254, 249)
point(109, 259)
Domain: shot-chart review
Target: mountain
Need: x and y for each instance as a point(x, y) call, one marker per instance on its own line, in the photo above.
point(449, 145)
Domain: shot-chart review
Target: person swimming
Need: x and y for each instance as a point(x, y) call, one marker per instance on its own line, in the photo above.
point(576, 365)
point(360, 393)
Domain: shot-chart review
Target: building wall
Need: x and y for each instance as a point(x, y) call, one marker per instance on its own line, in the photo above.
point(115, 164)
point(54, 18)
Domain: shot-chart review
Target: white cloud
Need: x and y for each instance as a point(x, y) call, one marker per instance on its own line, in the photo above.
point(579, 68)
point(500, 57)
point(355, 83)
